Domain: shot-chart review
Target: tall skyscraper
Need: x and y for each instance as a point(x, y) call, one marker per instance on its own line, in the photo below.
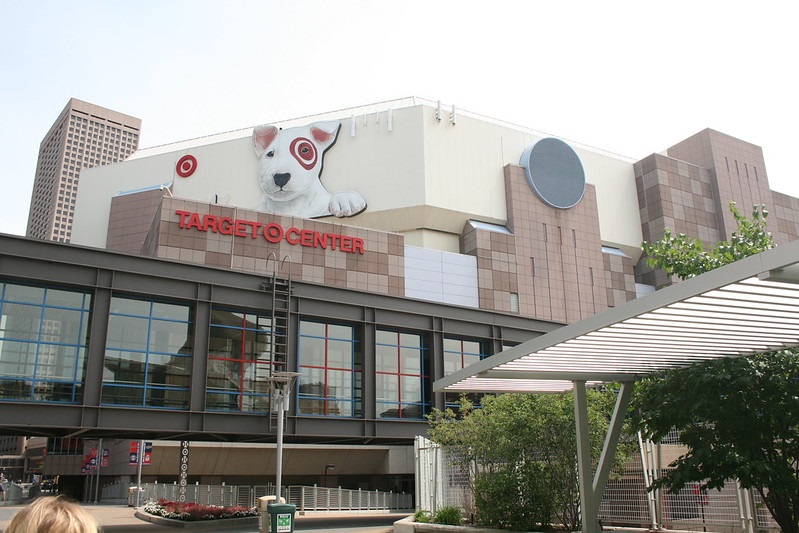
point(84, 135)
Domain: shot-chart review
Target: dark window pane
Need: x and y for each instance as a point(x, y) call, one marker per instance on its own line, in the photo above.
point(313, 351)
point(386, 358)
point(22, 293)
point(387, 387)
point(127, 332)
point(59, 298)
point(314, 329)
point(385, 337)
point(411, 361)
point(339, 354)
point(21, 322)
point(125, 306)
point(116, 395)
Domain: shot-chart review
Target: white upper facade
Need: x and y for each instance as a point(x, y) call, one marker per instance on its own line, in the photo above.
point(419, 173)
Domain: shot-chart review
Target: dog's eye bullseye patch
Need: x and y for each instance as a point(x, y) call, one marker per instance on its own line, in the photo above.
point(304, 152)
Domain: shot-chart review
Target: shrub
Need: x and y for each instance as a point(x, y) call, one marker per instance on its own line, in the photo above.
point(528, 441)
point(505, 500)
point(422, 517)
point(449, 516)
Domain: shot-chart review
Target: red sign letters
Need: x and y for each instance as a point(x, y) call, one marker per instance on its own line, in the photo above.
point(271, 232)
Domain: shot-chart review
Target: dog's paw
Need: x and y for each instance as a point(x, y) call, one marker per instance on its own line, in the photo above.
point(346, 204)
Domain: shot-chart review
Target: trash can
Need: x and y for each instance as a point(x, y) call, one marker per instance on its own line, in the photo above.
point(263, 515)
point(281, 517)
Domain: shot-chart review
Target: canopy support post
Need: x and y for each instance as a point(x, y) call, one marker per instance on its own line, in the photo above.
point(588, 505)
point(592, 486)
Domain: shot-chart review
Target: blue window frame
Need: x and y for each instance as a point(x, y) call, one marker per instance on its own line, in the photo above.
point(148, 354)
point(330, 364)
point(44, 333)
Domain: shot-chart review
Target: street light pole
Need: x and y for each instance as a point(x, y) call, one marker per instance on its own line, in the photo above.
point(283, 382)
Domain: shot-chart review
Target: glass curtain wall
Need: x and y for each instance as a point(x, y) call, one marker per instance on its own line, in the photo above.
point(330, 363)
point(239, 362)
point(44, 333)
point(401, 375)
point(148, 354)
point(460, 353)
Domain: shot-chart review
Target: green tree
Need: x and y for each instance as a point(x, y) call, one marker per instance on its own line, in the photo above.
point(686, 257)
point(737, 417)
point(524, 446)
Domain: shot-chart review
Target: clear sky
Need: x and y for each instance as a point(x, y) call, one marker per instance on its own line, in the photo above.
point(629, 77)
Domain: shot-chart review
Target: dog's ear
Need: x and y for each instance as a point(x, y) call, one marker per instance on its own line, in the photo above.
point(262, 137)
point(325, 133)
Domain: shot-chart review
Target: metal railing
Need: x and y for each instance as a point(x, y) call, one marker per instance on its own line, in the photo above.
point(304, 497)
point(328, 499)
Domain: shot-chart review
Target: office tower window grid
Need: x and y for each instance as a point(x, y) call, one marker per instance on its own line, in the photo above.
point(83, 136)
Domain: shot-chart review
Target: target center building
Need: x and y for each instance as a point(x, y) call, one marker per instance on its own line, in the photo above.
point(371, 250)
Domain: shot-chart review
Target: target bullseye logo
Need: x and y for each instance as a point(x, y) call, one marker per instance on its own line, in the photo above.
point(304, 152)
point(186, 166)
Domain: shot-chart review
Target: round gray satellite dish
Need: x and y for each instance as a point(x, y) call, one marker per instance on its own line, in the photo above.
point(555, 172)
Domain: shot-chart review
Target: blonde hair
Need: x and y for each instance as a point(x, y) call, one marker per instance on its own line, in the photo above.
point(53, 514)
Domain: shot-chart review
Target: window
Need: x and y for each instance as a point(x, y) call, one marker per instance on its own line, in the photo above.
point(331, 381)
point(460, 353)
point(239, 362)
point(147, 354)
point(401, 375)
point(43, 339)
point(64, 446)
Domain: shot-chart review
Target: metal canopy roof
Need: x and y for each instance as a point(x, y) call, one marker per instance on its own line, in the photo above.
point(746, 307)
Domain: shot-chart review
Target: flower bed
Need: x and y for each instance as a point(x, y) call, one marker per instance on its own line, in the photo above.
point(193, 512)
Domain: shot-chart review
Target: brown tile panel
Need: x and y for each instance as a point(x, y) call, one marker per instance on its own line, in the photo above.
point(738, 170)
point(622, 278)
point(690, 190)
point(553, 260)
point(496, 266)
point(785, 214)
point(676, 195)
point(379, 269)
point(130, 219)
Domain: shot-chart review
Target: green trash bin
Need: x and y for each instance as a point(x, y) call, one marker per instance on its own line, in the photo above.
point(281, 517)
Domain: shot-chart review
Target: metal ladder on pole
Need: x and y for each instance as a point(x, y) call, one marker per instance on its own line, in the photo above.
point(279, 289)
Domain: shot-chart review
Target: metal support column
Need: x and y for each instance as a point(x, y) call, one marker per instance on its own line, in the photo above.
point(588, 506)
point(592, 486)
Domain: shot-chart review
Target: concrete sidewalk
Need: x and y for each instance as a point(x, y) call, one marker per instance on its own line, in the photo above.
point(112, 518)
point(121, 519)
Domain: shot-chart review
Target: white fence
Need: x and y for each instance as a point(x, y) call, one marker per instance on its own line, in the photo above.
point(442, 480)
point(326, 499)
point(305, 498)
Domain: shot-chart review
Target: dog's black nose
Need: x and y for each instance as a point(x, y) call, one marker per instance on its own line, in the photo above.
point(281, 178)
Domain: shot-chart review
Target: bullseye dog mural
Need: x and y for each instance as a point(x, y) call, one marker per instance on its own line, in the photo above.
point(290, 163)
